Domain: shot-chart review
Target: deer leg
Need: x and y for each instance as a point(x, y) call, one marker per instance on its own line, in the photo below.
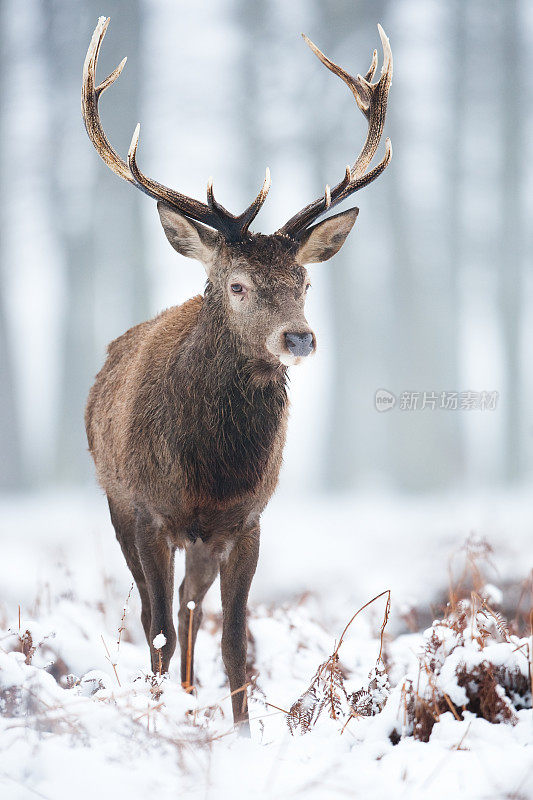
point(236, 575)
point(124, 525)
point(201, 569)
point(157, 559)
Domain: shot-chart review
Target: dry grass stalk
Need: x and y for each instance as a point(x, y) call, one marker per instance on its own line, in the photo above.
point(122, 626)
point(187, 685)
point(477, 555)
point(108, 657)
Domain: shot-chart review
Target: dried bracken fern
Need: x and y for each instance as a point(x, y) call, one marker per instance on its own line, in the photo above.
point(457, 673)
point(327, 690)
point(470, 661)
point(305, 711)
point(487, 698)
point(369, 701)
point(476, 555)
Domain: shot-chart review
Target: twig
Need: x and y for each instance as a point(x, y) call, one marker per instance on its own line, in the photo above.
point(386, 592)
point(452, 707)
point(110, 661)
point(278, 708)
point(188, 674)
point(530, 654)
point(352, 716)
point(122, 627)
point(463, 737)
point(226, 697)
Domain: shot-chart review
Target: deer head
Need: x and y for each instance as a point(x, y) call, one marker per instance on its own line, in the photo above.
point(257, 282)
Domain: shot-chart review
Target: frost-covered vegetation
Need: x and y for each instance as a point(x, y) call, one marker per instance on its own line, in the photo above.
point(375, 709)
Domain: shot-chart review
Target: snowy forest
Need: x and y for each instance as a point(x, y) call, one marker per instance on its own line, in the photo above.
point(401, 527)
point(432, 293)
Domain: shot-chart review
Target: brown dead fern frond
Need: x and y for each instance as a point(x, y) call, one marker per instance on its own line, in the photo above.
point(499, 621)
point(468, 635)
point(487, 698)
point(476, 553)
point(327, 690)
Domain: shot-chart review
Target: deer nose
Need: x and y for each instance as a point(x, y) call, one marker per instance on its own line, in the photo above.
point(300, 344)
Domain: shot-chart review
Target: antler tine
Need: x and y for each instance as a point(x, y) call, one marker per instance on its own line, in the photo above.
point(373, 66)
point(377, 94)
point(186, 205)
point(100, 89)
point(248, 216)
point(215, 215)
point(89, 102)
point(335, 68)
point(244, 220)
point(371, 99)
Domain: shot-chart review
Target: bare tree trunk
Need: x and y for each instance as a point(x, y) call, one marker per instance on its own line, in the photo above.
point(455, 236)
point(11, 469)
point(71, 193)
point(349, 455)
point(98, 215)
point(510, 266)
point(11, 466)
point(425, 443)
point(253, 17)
point(120, 253)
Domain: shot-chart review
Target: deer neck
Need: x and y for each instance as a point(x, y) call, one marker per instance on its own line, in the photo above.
point(234, 410)
point(220, 347)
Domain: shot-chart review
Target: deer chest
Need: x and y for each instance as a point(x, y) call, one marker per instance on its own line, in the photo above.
point(233, 445)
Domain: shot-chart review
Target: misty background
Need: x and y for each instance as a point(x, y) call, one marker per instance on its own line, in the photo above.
point(432, 292)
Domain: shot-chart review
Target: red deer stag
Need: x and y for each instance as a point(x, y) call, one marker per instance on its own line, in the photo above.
point(186, 420)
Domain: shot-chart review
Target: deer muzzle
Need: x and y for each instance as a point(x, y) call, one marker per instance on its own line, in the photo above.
point(300, 344)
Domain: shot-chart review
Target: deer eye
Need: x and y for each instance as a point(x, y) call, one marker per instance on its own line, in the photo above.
point(237, 288)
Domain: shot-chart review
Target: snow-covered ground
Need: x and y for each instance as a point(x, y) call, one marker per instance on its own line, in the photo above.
point(82, 717)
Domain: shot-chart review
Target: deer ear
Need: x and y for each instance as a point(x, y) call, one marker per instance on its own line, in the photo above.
point(187, 236)
point(326, 238)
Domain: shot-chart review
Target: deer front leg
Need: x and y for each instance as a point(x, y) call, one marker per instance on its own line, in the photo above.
point(157, 559)
point(201, 569)
point(235, 579)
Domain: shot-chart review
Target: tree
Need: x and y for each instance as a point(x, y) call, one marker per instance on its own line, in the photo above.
point(97, 215)
point(511, 233)
point(11, 461)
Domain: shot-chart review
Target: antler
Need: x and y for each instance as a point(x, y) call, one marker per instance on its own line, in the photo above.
point(371, 99)
point(213, 214)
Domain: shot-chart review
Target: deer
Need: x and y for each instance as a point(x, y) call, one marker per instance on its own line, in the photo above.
point(186, 420)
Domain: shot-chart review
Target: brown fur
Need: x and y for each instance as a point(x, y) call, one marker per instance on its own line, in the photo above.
point(186, 421)
point(189, 426)
point(186, 424)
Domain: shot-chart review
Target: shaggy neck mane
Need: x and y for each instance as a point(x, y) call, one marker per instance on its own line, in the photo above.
point(233, 406)
point(215, 341)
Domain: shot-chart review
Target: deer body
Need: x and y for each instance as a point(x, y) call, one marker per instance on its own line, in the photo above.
point(186, 420)
point(187, 438)
point(178, 416)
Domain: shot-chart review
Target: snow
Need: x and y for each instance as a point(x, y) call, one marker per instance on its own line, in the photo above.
point(81, 711)
point(159, 641)
point(492, 594)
